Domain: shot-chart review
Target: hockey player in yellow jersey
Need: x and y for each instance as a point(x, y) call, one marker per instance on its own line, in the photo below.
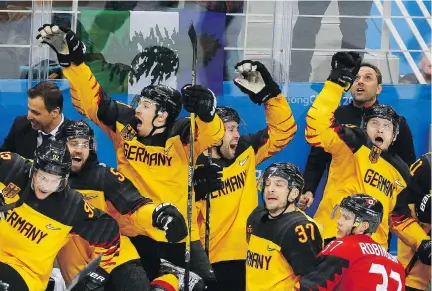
point(360, 160)
point(148, 140)
point(418, 263)
point(282, 240)
point(235, 197)
point(107, 189)
point(45, 212)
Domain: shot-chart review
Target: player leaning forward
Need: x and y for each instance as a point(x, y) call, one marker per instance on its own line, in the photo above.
point(360, 157)
point(151, 145)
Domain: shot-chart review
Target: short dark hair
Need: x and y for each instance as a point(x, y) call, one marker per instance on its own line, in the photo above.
point(50, 93)
point(375, 68)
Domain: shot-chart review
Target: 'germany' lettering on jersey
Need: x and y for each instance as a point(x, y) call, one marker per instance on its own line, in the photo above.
point(258, 261)
point(140, 154)
point(380, 182)
point(25, 228)
point(231, 184)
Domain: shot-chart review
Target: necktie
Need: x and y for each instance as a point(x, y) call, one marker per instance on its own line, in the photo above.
point(45, 137)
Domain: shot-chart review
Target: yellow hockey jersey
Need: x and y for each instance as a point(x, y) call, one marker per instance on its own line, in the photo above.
point(232, 205)
point(280, 250)
point(358, 167)
point(420, 275)
point(102, 186)
point(32, 234)
point(156, 165)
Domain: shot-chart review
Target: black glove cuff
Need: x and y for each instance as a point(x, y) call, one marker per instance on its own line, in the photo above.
point(343, 78)
point(64, 60)
point(206, 117)
point(268, 92)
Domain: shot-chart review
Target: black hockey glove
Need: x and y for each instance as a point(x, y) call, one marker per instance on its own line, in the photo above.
point(424, 252)
point(166, 217)
point(199, 100)
point(64, 42)
point(207, 179)
point(423, 209)
point(95, 281)
point(256, 81)
point(345, 67)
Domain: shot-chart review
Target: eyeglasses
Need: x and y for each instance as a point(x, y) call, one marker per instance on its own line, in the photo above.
point(146, 103)
point(278, 183)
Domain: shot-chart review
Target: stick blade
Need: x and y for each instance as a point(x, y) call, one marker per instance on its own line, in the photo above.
point(192, 35)
point(92, 266)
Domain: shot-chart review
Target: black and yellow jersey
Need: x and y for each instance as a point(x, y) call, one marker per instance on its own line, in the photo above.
point(232, 205)
point(420, 275)
point(156, 165)
point(32, 234)
point(358, 167)
point(110, 191)
point(280, 250)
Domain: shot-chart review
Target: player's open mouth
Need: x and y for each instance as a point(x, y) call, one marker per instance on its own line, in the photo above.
point(378, 141)
point(360, 90)
point(77, 159)
point(138, 122)
point(233, 146)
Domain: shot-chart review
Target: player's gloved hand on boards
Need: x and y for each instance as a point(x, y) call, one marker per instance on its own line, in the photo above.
point(166, 217)
point(345, 67)
point(424, 252)
point(96, 280)
point(64, 42)
point(200, 100)
point(423, 209)
point(256, 81)
point(207, 179)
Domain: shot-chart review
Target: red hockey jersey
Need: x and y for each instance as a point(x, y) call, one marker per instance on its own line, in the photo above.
point(354, 263)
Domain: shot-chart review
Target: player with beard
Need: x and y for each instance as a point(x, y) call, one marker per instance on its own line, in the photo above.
point(108, 190)
point(283, 241)
point(233, 192)
point(354, 261)
point(46, 213)
point(361, 160)
point(418, 262)
point(149, 141)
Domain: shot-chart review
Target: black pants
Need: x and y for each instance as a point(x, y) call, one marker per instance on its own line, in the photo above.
point(412, 289)
point(230, 276)
point(11, 277)
point(306, 29)
point(152, 251)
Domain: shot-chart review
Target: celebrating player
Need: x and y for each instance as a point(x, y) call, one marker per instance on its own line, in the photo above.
point(101, 186)
point(283, 242)
point(234, 194)
point(361, 162)
point(149, 141)
point(46, 213)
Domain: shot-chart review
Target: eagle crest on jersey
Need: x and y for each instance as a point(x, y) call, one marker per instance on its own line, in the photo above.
point(374, 154)
point(11, 190)
point(128, 133)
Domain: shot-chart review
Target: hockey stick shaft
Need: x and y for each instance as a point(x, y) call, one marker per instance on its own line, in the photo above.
point(91, 267)
point(193, 38)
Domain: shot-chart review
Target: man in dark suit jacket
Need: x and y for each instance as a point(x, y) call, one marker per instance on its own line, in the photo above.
point(44, 117)
point(364, 91)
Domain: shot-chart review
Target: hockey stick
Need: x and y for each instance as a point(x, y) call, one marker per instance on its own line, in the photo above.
point(91, 267)
point(193, 39)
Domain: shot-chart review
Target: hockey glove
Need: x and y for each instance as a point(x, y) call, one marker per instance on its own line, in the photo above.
point(64, 42)
point(95, 281)
point(2, 203)
point(423, 209)
point(200, 100)
point(207, 179)
point(166, 217)
point(345, 66)
point(256, 81)
point(424, 252)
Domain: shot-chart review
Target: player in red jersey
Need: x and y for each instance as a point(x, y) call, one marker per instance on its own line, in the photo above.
point(354, 261)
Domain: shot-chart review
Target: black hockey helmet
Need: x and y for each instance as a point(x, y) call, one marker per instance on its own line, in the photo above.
point(287, 171)
point(166, 98)
point(365, 209)
point(381, 111)
point(76, 129)
point(53, 157)
point(227, 114)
